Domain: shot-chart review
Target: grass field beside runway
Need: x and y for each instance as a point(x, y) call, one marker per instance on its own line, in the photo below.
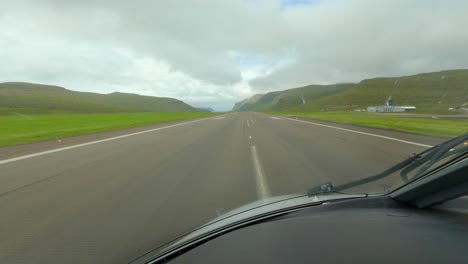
point(28, 126)
point(445, 127)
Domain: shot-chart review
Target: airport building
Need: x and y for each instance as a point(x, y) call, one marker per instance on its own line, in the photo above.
point(389, 107)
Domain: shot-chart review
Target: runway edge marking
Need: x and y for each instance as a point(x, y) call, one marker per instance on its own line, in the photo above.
point(363, 133)
point(97, 141)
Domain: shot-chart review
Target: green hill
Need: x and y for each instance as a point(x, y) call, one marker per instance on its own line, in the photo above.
point(289, 99)
point(430, 92)
point(46, 97)
point(142, 103)
point(245, 104)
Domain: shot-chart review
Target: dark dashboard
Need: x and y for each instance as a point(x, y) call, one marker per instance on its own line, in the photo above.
point(369, 230)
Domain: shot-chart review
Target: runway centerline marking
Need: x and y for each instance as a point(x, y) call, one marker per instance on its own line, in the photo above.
point(263, 191)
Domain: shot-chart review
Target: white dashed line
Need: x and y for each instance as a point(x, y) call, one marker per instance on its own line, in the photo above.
point(263, 191)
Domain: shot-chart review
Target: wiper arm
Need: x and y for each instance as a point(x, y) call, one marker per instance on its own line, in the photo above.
point(323, 188)
point(328, 187)
point(437, 153)
point(381, 175)
point(410, 163)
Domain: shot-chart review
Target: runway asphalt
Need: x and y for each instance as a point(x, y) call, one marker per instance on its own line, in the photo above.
point(110, 201)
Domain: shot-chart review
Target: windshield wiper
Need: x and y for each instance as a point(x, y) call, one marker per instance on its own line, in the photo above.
point(328, 187)
point(433, 155)
point(381, 175)
point(323, 188)
point(437, 154)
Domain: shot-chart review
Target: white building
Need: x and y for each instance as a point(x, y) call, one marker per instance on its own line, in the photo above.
point(389, 107)
point(385, 109)
point(408, 107)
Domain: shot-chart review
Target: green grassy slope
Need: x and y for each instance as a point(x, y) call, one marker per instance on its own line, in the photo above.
point(17, 95)
point(289, 99)
point(245, 104)
point(37, 96)
point(445, 127)
point(136, 102)
point(20, 129)
point(429, 92)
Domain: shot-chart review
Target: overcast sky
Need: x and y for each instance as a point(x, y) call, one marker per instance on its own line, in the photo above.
point(215, 53)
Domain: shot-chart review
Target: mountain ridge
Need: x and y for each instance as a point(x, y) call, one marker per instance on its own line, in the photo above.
point(429, 92)
point(42, 96)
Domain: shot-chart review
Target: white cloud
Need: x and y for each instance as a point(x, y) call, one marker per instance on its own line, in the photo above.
point(214, 53)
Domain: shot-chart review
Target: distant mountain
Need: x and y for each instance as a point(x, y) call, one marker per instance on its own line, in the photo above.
point(38, 96)
point(209, 109)
point(430, 92)
point(247, 103)
point(289, 99)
